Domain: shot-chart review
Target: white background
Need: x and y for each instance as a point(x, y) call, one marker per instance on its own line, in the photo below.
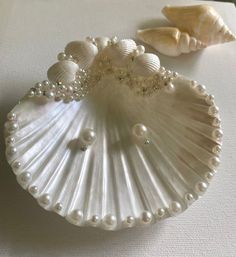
point(32, 32)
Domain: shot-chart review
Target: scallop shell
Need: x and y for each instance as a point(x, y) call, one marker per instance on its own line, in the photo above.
point(201, 22)
point(119, 51)
point(170, 41)
point(119, 181)
point(145, 64)
point(82, 52)
point(63, 71)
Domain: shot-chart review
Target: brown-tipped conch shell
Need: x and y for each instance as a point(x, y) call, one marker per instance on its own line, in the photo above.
point(201, 22)
point(170, 41)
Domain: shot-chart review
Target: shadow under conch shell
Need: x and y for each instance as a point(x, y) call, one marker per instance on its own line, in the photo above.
point(170, 41)
point(201, 22)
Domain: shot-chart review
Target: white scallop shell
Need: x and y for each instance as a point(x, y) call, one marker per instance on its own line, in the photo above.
point(63, 71)
point(169, 40)
point(201, 22)
point(117, 182)
point(83, 52)
point(119, 51)
point(145, 64)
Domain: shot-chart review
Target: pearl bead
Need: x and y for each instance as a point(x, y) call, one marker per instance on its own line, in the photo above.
point(88, 136)
point(46, 83)
point(160, 212)
point(217, 134)
point(189, 198)
point(12, 126)
point(130, 220)
point(146, 217)
point(24, 177)
point(214, 162)
point(170, 88)
point(114, 40)
point(94, 220)
point(141, 49)
point(39, 93)
point(90, 39)
point(45, 199)
point(213, 110)
point(109, 220)
point(210, 99)
point(58, 207)
point(10, 140)
point(162, 69)
point(201, 187)
point(209, 175)
point(38, 85)
point(216, 122)
point(200, 89)
point(216, 149)
point(33, 190)
point(31, 93)
point(193, 83)
point(175, 208)
point(11, 116)
point(11, 150)
point(61, 56)
point(175, 74)
point(16, 165)
point(139, 130)
point(77, 215)
point(50, 94)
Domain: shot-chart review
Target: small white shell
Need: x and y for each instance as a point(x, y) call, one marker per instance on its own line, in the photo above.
point(119, 52)
point(201, 22)
point(102, 42)
point(169, 41)
point(63, 71)
point(145, 65)
point(82, 52)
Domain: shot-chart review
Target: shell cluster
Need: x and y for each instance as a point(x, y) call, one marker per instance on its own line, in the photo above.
point(116, 159)
point(197, 26)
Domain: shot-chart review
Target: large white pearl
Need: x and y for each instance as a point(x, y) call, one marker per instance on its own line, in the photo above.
point(140, 131)
point(88, 136)
point(175, 208)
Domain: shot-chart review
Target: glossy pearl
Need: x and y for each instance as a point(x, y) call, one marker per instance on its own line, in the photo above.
point(58, 207)
point(50, 94)
point(193, 83)
point(38, 85)
point(160, 212)
point(11, 116)
point(210, 99)
point(16, 165)
point(201, 187)
point(45, 199)
point(110, 220)
point(24, 177)
point(94, 220)
point(61, 56)
point(130, 220)
point(175, 74)
point(88, 136)
point(10, 140)
point(162, 69)
point(140, 130)
point(189, 198)
point(31, 93)
point(213, 110)
point(11, 150)
point(216, 149)
point(146, 217)
point(200, 89)
point(12, 126)
point(175, 207)
point(140, 49)
point(77, 215)
point(170, 88)
point(216, 122)
point(217, 134)
point(33, 190)
point(209, 175)
point(46, 83)
point(214, 162)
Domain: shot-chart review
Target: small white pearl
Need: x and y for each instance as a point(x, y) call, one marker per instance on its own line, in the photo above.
point(175, 207)
point(16, 165)
point(33, 190)
point(114, 39)
point(216, 122)
point(139, 130)
point(94, 220)
point(201, 187)
point(90, 39)
point(58, 207)
point(213, 110)
point(170, 88)
point(46, 83)
point(77, 215)
point(160, 212)
point(146, 217)
point(45, 199)
point(168, 73)
point(200, 89)
point(189, 198)
point(216, 149)
point(50, 94)
point(38, 85)
point(24, 177)
point(217, 134)
point(162, 69)
point(31, 93)
point(69, 57)
point(12, 126)
point(210, 99)
point(39, 93)
point(175, 74)
point(109, 220)
point(209, 175)
point(214, 162)
point(11, 116)
point(10, 140)
point(193, 83)
point(88, 136)
point(141, 49)
point(130, 220)
point(11, 150)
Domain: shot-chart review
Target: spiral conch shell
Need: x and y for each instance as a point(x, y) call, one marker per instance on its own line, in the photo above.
point(170, 41)
point(201, 22)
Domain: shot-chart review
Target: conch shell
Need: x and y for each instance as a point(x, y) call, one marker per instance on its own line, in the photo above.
point(201, 22)
point(170, 41)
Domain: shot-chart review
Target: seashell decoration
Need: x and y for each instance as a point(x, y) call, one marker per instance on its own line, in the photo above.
point(169, 40)
point(119, 146)
point(83, 52)
point(201, 22)
point(64, 72)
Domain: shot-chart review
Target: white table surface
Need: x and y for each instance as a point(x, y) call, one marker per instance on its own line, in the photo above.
point(32, 32)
